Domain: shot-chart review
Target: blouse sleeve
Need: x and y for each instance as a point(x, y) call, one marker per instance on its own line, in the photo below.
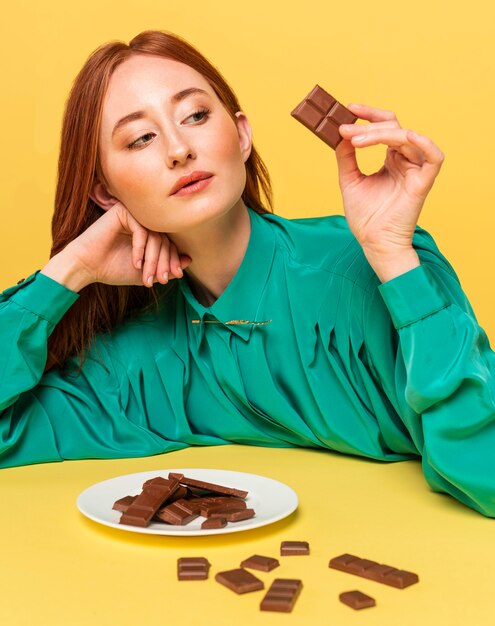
point(55, 416)
point(434, 362)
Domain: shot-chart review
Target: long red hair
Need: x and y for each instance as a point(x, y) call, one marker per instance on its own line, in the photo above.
point(101, 307)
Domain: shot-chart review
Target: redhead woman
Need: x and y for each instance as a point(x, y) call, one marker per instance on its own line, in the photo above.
point(178, 309)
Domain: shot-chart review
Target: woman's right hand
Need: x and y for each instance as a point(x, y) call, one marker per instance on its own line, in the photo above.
point(118, 250)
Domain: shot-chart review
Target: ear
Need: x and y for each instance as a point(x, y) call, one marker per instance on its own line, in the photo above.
point(245, 134)
point(100, 195)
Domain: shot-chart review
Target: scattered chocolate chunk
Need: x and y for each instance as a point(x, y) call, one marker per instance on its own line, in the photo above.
point(239, 580)
point(262, 563)
point(193, 568)
point(294, 548)
point(282, 595)
point(357, 600)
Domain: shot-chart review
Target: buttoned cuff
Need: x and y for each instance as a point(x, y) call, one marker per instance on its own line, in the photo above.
point(43, 296)
point(413, 296)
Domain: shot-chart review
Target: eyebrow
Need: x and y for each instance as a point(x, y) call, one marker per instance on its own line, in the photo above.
point(175, 99)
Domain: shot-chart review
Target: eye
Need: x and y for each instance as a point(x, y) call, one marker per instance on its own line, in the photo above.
point(135, 144)
point(204, 114)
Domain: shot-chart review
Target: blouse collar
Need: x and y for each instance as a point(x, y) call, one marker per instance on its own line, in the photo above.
point(242, 296)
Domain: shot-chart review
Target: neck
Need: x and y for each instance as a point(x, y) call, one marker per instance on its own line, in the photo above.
point(216, 248)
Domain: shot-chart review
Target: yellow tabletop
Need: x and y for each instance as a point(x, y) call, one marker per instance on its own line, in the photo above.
point(60, 568)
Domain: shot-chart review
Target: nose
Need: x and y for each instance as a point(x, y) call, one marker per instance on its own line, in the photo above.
point(178, 147)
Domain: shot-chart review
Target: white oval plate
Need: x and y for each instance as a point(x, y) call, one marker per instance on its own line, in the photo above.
point(271, 499)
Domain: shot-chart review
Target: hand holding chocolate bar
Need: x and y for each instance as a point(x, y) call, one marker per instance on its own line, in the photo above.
point(382, 209)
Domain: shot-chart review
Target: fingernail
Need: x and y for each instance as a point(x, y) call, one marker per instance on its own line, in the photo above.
point(139, 264)
point(359, 138)
point(180, 272)
point(150, 281)
point(165, 275)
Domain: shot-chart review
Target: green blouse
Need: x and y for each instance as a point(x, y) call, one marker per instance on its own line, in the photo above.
point(389, 371)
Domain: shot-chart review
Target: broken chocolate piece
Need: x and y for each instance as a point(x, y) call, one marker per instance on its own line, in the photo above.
point(282, 595)
point(294, 548)
point(262, 563)
point(124, 503)
point(201, 484)
point(193, 568)
point(176, 513)
point(322, 114)
point(214, 522)
point(147, 503)
point(357, 599)
point(239, 580)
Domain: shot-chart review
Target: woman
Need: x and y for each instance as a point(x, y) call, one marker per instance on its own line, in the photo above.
point(351, 334)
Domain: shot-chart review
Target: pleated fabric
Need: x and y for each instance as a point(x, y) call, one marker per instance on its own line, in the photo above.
point(390, 371)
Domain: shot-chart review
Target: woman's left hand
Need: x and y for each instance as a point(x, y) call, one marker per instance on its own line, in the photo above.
point(382, 209)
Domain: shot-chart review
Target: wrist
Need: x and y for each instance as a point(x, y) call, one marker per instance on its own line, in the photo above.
point(66, 269)
point(389, 264)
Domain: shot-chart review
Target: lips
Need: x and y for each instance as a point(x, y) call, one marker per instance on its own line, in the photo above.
point(189, 178)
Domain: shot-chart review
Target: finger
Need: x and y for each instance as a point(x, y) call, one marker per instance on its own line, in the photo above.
point(349, 130)
point(163, 264)
point(175, 267)
point(372, 114)
point(349, 171)
point(394, 138)
point(185, 260)
point(139, 238)
point(151, 255)
point(433, 156)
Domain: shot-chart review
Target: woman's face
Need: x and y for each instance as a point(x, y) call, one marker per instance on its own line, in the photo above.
point(143, 158)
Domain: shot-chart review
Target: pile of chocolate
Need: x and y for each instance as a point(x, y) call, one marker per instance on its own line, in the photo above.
point(179, 500)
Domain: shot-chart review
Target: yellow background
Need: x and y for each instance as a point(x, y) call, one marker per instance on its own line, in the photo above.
point(432, 62)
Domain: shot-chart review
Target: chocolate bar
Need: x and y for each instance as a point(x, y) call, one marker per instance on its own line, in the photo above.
point(323, 114)
point(201, 484)
point(177, 513)
point(282, 595)
point(147, 503)
point(238, 516)
point(239, 580)
point(263, 563)
point(294, 548)
point(373, 571)
point(123, 504)
point(214, 522)
point(357, 599)
point(193, 568)
point(224, 504)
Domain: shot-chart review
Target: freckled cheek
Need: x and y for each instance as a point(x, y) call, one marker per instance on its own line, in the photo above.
point(227, 142)
point(136, 180)
point(223, 151)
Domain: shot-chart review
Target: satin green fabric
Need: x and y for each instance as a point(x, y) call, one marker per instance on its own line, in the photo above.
point(388, 371)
